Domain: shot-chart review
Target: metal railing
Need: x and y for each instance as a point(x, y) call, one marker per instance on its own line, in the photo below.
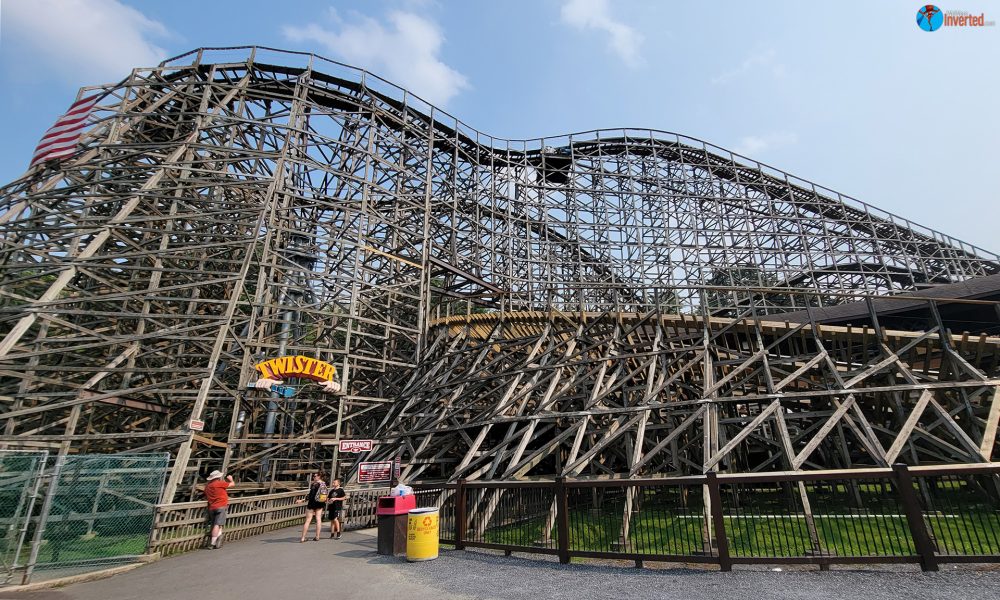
point(444, 499)
point(359, 510)
point(182, 526)
point(925, 515)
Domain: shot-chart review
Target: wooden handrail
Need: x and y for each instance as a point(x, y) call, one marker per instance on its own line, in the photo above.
point(182, 526)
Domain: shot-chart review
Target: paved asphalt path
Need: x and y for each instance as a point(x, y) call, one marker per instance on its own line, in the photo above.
point(275, 567)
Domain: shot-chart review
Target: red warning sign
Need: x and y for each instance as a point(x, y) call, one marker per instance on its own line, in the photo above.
point(374, 472)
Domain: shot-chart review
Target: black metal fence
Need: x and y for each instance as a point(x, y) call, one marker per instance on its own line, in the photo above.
point(925, 515)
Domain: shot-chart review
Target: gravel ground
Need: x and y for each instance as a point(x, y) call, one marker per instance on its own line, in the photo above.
point(475, 574)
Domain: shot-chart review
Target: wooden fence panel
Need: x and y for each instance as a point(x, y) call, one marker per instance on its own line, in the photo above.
point(183, 526)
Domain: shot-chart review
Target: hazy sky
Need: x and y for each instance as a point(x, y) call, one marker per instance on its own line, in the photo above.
point(851, 95)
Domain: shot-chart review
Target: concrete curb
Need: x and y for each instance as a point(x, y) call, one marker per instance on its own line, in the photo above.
point(82, 577)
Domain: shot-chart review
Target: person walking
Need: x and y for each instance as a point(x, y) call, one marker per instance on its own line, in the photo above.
point(315, 504)
point(217, 496)
point(336, 500)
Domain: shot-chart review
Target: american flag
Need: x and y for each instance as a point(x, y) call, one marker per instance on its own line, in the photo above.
point(60, 141)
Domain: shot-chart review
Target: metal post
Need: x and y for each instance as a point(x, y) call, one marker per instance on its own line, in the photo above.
point(270, 421)
point(461, 519)
point(154, 530)
point(36, 541)
point(915, 518)
point(718, 520)
point(335, 469)
point(562, 519)
point(31, 508)
point(235, 428)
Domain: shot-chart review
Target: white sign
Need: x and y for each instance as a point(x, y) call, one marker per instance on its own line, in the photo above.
point(356, 445)
point(196, 425)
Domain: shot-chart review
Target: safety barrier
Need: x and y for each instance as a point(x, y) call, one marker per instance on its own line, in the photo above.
point(925, 515)
point(181, 527)
point(80, 512)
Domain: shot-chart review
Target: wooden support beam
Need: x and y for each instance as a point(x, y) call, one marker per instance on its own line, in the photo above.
point(990, 431)
point(742, 435)
point(822, 434)
point(907, 429)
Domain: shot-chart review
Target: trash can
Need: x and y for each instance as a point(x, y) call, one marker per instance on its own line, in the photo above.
point(422, 534)
point(392, 512)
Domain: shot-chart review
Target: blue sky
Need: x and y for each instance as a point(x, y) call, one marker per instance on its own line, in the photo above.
point(851, 95)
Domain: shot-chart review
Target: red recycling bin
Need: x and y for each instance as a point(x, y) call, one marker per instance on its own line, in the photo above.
point(396, 505)
point(392, 514)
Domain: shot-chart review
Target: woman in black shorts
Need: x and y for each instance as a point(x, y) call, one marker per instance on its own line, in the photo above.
point(315, 503)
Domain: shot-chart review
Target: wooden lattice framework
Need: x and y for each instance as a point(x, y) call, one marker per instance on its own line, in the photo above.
point(232, 205)
point(509, 396)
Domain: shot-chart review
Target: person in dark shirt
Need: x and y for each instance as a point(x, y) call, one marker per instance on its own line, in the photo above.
point(336, 500)
point(217, 496)
point(315, 503)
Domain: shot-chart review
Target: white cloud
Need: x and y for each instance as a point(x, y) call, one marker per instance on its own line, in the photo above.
point(763, 61)
point(752, 146)
point(596, 14)
point(404, 51)
point(84, 41)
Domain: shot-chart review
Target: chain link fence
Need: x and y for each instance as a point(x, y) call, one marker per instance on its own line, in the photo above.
point(86, 511)
point(20, 480)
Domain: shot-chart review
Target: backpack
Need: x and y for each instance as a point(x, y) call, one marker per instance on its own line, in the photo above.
point(322, 493)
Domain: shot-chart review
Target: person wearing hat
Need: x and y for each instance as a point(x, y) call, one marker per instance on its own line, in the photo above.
point(218, 502)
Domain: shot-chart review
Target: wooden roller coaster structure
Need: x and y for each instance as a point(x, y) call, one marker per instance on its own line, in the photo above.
point(608, 303)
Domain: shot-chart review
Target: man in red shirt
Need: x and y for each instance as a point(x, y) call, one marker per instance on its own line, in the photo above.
point(218, 502)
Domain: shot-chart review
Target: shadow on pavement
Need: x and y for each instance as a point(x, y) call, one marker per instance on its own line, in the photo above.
point(288, 540)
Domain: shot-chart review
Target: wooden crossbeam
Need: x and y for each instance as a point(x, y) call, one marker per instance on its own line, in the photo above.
point(823, 432)
point(992, 422)
point(907, 429)
point(747, 430)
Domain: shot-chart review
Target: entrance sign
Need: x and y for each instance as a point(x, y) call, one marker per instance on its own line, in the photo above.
point(374, 472)
point(297, 366)
point(196, 425)
point(356, 445)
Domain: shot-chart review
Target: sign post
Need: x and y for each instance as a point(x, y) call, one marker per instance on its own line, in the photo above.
point(335, 471)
